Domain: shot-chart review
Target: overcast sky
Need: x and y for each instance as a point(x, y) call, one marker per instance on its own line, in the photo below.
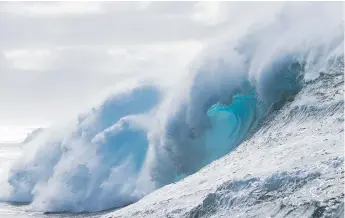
point(57, 57)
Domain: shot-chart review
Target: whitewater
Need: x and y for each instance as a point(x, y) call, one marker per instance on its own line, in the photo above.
point(254, 129)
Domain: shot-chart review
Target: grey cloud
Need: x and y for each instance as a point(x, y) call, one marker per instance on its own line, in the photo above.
point(159, 22)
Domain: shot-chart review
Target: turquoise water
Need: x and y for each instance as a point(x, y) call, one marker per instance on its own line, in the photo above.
point(230, 124)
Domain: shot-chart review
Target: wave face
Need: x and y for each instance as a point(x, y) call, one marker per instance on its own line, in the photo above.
point(144, 138)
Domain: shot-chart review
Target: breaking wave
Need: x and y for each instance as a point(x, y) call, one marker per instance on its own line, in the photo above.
point(145, 137)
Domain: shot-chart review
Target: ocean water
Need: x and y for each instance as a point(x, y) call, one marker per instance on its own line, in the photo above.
point(267, 100)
